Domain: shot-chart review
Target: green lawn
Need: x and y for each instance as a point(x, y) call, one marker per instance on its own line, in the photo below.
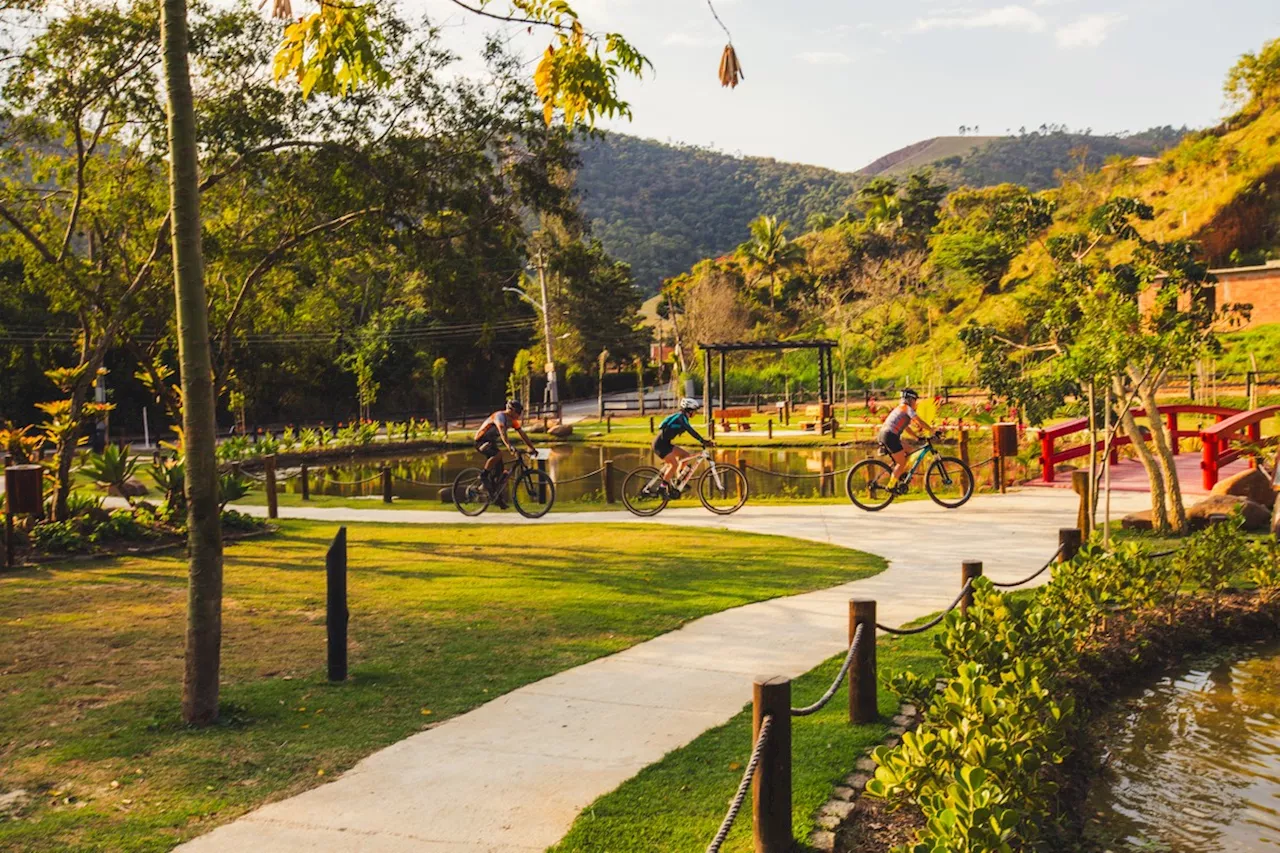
point(678, 803)
point(443, 618)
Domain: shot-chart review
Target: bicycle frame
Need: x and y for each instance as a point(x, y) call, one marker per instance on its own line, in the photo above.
point(687, 469)
point(916, 459)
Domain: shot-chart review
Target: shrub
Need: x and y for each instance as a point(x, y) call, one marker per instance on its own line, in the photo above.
point(59, 536)
point(112, 467)
point(79, 503)
point(120, 525)
point(232, 487)
point(233, 520)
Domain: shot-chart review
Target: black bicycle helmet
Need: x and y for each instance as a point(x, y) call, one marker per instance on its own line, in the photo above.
point(516, 406)
point(909, 395)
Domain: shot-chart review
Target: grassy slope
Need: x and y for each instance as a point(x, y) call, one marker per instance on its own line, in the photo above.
point(939, 148)
point(1193, 189)
point(678, 803)
point(443, 619)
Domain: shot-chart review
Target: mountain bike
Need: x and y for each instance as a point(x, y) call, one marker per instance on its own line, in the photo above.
point(721, 488)
point(948, 480)
point(532, 491)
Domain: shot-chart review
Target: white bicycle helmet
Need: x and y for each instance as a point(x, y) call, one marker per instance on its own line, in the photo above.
point(689, 404)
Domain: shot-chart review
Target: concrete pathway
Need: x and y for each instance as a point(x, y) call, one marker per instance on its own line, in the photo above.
point(515, 773)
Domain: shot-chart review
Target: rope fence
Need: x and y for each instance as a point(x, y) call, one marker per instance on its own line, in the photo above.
point(1034, 575)
point(787, 476)
point(735, 805)
point(835, 685)
point(920, 629)
point(425, 485)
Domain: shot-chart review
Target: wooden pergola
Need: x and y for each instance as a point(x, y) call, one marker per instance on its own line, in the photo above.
point(826, 368)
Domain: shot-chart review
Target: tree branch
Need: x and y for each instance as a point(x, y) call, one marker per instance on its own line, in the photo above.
point(475, 10)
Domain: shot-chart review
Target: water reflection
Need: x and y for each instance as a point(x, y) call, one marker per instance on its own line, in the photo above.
point(1195, 765)
point(421, 477)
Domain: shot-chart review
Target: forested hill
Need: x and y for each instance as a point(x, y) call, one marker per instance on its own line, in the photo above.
point(664, 207)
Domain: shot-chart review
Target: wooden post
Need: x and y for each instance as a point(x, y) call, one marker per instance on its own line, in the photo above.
point(541, 465)
point(770, 428)
point(386, 484)
point(964, 445)
point(1082, 486)
point(305, 477)
point(1070, 540)
point(863, 701)
point(606, 480)
point(269, 471)
point(336, 614)
point(651, 425)
point(969, 570)
point(771, 789)
point(608, 423)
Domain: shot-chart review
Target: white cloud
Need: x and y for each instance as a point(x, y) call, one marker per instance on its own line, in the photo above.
point(1089, 31)
point(1004, 18)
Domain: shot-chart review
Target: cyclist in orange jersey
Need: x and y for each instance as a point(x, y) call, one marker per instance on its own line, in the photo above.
point(491, 437)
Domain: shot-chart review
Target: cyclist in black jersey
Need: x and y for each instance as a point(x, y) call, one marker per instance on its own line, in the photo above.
point(671, 428)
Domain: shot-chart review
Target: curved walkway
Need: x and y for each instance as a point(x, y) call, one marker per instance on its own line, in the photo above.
point(514, 773)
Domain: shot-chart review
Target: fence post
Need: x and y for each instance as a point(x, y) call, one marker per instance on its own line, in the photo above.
point(608, 423)
point(969, 570)
point(541, 465)
point(650, 424)
point(964, 445)
point(269, 471)
point(1081, 485)
point(863, 701)
point(606, 480)
point(336, 614)
point(770, 429)
point(304, 475)
point(1069, 539)
point(386, 484)
point(771, 789)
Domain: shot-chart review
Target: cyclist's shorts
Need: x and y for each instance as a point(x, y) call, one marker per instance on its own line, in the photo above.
point(662, 447)
point(891, 440)
point(488, 448)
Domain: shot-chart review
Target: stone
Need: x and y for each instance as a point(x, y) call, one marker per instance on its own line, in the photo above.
point(901, 720)
point(892, 741)
point(1251, 484)
point(130, 488)
point(897, 730)
point(536, 429)
point(858, 781)
point(1255, 515)
point(828, 821)
point(866, 765)
point(1140, 520)
point(823, 841)
point(839, 808)
point(561, 430)
point(1064, 468)
point(908, 710)
point(844, 792)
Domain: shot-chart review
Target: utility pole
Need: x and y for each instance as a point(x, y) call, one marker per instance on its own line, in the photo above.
point(553, 388)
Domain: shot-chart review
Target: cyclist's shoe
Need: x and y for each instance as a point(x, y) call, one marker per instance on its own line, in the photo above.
point(900, 489)
point(500, 502)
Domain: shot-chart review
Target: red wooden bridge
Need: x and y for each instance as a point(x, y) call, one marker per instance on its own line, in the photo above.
point(1221, 444)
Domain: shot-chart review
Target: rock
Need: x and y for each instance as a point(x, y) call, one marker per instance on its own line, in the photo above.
point(536, 429)
point(1255, 515)
point(857, 781)
point(1251, 484)
point(839, 808)
point(561, 430)
point(866, 765)
point(131, 488)
point(1137, 521)
point(823, 840)
point(1064, 468)
point(844, 792)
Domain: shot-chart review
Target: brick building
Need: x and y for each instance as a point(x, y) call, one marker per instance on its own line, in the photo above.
point(1256, 286)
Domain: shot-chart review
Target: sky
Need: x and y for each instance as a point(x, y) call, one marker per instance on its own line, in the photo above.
point(838, 83)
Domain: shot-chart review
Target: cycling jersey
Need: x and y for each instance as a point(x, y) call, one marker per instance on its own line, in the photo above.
point(495, 424)
point(673, 425)
point(898, 419)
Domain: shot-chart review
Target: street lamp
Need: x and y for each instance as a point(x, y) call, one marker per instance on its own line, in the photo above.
point(553, 388)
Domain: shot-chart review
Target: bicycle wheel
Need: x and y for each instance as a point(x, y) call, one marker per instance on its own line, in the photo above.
point(865, 485)
point(641, 493)
point(722, 489)
point(470, 493)
point(949, 482)
point(534, 493)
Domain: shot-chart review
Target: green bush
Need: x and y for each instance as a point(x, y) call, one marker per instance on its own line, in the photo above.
point(233, 520)
point(112, 467)
point(121, 525)
point(59, 536)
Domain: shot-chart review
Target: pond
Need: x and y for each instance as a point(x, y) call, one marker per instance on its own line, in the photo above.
point(1195, 765)
point(421, 477)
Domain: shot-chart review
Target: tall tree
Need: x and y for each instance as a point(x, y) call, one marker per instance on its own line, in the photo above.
point(771, 252)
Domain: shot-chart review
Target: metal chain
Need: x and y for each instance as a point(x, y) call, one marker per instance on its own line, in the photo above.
point(1037, 573)
point(736, 805)
point(835, 685)
point(964, 590)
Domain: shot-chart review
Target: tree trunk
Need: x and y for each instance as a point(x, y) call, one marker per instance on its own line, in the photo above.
point(204, 534)
point(1159, 510)
point(1164, 453)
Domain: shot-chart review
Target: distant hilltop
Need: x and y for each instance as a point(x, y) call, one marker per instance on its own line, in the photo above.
point(924, 153)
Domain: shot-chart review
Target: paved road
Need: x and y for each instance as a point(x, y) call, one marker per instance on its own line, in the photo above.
point(515, 773)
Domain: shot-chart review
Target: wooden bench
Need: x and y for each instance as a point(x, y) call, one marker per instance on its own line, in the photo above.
point(815, 414)
point(740, 416)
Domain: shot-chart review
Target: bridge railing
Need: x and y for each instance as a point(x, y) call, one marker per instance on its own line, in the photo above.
point(1217, 448)
point(1051, 455)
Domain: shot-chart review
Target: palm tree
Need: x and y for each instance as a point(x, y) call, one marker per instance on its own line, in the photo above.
point(204, 516)
point(879, 201)
point(819, 221)
point(770, 250)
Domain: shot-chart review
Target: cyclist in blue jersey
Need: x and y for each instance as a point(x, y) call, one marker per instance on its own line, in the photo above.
point(671, 428)
point(901, 418)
